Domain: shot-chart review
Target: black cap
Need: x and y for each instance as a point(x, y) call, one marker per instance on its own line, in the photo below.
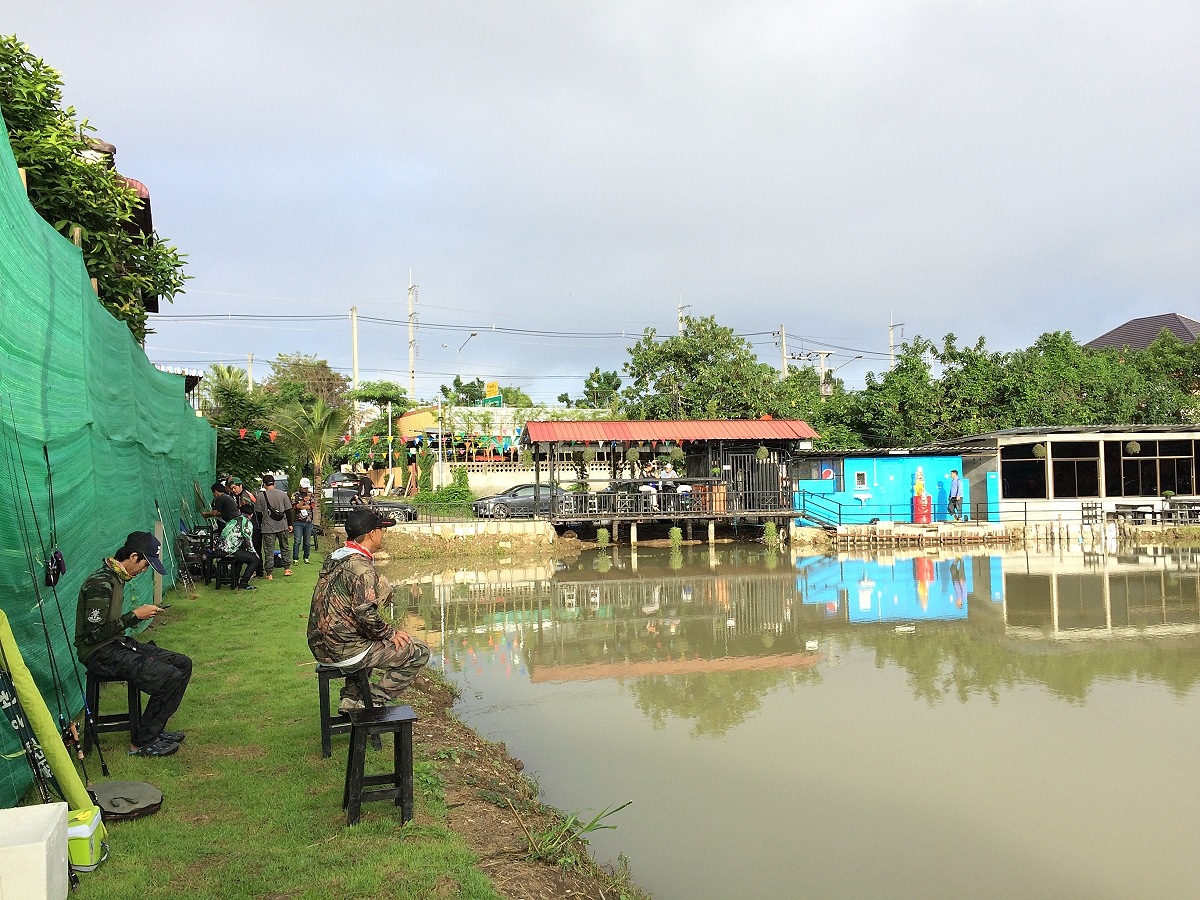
point(364, 520)
point(146, 545)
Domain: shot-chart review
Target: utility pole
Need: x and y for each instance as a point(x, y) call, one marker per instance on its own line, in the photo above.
point(412, 339)
point(354, 367)
point(679, 311)
point(783, 363)
point(892, 326)
point(250, 374)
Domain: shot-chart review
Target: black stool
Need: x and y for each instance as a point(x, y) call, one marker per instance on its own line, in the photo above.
point(331, 724)
point(125, 721)
point(224, 571)
point(394, 720)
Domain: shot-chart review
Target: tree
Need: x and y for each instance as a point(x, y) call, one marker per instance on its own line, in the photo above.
point(601, 389)
point(565, 399)
point(219, 380)
point(313, 431)
point(902, 407)
point(250, 454)
point(513, 396)
point(463, 393)
point(74, 188)
point(301, 378)
point(707, 372)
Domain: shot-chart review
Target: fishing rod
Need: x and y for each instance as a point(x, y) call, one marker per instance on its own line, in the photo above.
point(66, 723)
point(184, 575)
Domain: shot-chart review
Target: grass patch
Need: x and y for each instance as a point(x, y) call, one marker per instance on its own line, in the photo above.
point(251, 809)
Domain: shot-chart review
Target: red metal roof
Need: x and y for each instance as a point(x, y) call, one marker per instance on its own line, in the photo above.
point(691, 430)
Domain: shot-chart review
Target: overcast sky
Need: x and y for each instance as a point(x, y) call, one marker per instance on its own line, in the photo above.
point(988, 168)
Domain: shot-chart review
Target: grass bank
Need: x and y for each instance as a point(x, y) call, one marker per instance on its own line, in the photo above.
point(252, 810)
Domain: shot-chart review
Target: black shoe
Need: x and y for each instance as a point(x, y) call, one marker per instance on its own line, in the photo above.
point(248, 587)
point(175, 737)
point(158, 748)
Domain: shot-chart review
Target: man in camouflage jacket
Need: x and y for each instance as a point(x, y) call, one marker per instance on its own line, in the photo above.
point(344, 625)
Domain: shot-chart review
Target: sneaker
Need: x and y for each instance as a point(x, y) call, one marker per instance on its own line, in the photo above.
point(270, 578)
point(175, 737)
point(287, 571)
point(248, 587)
point(307, 560)
point(348, 703)
point(158, 748)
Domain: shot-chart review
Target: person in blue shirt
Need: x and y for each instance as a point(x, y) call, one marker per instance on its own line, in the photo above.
point(955, 496)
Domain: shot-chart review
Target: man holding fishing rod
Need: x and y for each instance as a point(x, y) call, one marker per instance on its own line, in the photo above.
point(106, 651)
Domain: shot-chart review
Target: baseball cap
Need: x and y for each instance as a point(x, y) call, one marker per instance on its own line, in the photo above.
point(364, 520)
point(146, 545)
point(305, 483)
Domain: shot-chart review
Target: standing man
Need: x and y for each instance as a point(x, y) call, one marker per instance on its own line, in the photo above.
point(107, 652)
point(954, 504)
point(275, 510)
point(224, 507)
point(344, 625)
point(304, 505)
point(366, 488)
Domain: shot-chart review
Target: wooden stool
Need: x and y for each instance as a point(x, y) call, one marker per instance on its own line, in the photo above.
point(335, 724)
point(394, 720)
point(125, 721)
point(223, 570)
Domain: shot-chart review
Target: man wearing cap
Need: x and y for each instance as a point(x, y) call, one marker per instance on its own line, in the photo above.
point(106, 651)
point(303, 507)
point(275, 513)
point(344, 625)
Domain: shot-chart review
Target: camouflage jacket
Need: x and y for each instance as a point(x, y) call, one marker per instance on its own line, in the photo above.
point(344, 620)
point(99, 616)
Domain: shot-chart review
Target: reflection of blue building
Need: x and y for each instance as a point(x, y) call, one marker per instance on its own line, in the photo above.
point(905, 589)
point(855, 487)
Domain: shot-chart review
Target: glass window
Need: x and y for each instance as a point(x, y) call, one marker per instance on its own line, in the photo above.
point(1023, 479)
point(1076, 478)
point(1075, 450)
point(1174, 448)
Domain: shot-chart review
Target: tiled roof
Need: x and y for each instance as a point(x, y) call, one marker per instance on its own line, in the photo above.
point(691, 430)
point(1137, 334)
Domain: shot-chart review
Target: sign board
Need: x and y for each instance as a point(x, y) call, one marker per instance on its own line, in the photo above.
point(491, 389)
point(497, 400)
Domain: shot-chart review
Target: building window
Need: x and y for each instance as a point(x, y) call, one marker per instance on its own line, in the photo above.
point(1022, 472)
point(1076, 468)
point(1147, 468)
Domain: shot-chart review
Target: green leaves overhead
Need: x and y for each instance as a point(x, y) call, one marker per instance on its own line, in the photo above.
point(78, 194)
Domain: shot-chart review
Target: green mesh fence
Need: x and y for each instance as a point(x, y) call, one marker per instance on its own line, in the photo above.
point(119, 434)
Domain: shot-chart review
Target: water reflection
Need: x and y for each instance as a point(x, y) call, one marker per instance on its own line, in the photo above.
point(747, 620)
point(880, 701)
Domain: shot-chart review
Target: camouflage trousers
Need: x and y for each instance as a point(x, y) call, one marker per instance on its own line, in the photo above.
point(397, 669)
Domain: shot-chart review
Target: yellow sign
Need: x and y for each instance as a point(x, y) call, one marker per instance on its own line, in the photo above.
point(491, 389)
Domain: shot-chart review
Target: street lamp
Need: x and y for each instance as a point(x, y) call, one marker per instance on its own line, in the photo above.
point(458, 352)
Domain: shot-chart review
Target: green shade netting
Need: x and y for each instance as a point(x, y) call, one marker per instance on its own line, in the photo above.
point(119, 434)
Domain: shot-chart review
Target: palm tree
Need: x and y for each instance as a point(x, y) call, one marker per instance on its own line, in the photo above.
point(218, 378)
point(313, 431)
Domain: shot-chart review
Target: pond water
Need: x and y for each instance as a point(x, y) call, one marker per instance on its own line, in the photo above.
point(906, 725)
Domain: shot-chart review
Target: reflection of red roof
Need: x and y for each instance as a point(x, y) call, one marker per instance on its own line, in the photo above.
point(598, 671)
point(691, 430)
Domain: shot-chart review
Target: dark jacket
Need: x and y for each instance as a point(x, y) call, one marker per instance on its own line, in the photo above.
point(99, 619)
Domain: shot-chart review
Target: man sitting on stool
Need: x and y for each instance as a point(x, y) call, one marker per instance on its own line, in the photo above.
point(237, 542)
point(107, 652)
point(344, 625)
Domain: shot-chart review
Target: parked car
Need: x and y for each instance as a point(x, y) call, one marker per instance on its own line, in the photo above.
point(339, 480)
point(401, 512)
point(517, 501)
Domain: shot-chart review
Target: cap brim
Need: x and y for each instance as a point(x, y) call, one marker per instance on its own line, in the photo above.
point(385, 522)
point(157, 564)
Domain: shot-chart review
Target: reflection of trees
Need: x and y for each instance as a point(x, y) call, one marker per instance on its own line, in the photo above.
point(715, 702)
point(959, 664)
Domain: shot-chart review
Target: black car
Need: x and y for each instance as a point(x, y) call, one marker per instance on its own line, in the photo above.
point(518, 501)
point(401, 512)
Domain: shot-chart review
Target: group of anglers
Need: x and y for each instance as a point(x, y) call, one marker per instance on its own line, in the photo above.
point(250, 526)
point(345, 628)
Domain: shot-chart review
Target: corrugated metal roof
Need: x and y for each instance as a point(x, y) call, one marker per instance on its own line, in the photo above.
point(691, 430)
